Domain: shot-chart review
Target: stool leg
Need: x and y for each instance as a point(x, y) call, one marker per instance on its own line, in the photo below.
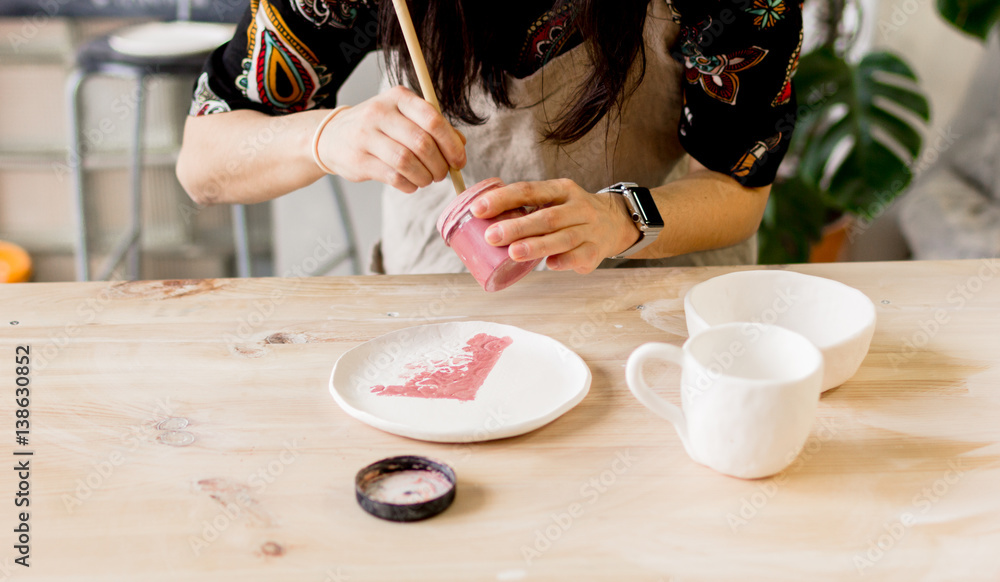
point(75, 162)
point(242, 237)
point(135, 169)
point(348, 225)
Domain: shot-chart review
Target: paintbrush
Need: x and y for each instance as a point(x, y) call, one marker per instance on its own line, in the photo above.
point(423, 75)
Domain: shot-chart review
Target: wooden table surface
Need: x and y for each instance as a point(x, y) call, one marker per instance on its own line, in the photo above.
point(183, 430)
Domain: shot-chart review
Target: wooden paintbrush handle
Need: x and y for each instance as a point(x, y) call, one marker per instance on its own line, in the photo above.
point(423, 75)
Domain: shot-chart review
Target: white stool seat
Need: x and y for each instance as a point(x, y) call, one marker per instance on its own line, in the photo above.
point(174, 38)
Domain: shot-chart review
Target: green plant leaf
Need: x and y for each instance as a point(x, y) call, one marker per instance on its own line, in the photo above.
point(853, 111)
point(793, 220)
point(975, 17)
point(815, 87)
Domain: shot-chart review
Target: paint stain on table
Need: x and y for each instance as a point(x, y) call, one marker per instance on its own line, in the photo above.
point(458, 378)
point(170, 289)
point(249, 351)
point(236, 498)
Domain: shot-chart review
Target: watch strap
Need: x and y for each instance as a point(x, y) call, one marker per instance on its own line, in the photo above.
point(647, 236)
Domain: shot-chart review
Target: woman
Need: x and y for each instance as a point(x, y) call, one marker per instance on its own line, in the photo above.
point(559, 98)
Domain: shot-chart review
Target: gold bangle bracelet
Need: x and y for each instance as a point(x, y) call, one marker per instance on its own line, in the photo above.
point(319, 132)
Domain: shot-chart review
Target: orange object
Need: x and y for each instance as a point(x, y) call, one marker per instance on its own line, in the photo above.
point(15, 264)
point(832, 246)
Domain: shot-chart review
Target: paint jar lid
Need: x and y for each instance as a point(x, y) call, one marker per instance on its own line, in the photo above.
point(451, 217)
point(405, 488)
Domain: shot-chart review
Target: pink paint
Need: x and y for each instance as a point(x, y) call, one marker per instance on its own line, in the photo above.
point(458, 378)
point(465, 234)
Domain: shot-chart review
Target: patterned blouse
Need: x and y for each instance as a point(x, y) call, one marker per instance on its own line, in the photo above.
point(738, 56)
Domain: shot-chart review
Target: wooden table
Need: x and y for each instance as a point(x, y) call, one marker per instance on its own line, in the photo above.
point(182, 430)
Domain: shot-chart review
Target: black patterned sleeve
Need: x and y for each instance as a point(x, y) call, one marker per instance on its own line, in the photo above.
point(287, 56)
point(739, 106)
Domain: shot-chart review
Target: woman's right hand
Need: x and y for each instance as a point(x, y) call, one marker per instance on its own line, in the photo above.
point(395, 138)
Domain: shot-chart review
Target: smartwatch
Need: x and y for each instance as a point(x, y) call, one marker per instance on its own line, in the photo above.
point(644, 214)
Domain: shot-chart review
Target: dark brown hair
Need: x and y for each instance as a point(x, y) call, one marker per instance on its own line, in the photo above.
point(458, 38)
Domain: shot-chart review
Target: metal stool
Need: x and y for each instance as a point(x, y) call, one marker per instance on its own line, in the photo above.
point(97, 57)
point(350, 253)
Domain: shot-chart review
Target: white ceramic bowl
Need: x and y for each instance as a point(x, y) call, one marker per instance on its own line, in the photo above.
point(838, 319)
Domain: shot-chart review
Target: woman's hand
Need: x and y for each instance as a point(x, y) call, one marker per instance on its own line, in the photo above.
point(396, 138)
point(575, 229)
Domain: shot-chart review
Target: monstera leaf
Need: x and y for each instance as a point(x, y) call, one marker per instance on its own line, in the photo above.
point(793, 220)
point(857, 135)
point(859, 130)
point(975, 17)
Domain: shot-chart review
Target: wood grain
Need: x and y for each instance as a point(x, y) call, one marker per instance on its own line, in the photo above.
point(183, 430)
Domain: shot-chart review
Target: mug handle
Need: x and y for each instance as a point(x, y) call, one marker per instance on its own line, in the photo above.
point(641, 390)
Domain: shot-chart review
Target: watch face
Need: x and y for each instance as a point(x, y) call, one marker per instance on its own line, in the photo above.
point(647, 207)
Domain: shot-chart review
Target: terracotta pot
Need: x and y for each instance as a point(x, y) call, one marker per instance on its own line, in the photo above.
point(832, 245)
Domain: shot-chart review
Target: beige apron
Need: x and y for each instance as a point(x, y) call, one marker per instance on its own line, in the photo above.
point(640, 146)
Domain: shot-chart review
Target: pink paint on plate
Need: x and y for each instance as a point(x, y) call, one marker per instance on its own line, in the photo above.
point(458, 378)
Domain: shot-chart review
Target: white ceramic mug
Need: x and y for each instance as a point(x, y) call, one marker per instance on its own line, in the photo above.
point(749, 393)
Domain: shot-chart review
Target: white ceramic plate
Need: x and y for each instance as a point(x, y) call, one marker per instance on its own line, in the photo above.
point(524, 385)
point(171, 38)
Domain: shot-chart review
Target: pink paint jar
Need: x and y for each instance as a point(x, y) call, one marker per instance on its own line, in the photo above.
point(466, 235)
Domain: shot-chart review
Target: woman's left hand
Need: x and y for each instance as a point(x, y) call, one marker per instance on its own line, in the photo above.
point(574, 228)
